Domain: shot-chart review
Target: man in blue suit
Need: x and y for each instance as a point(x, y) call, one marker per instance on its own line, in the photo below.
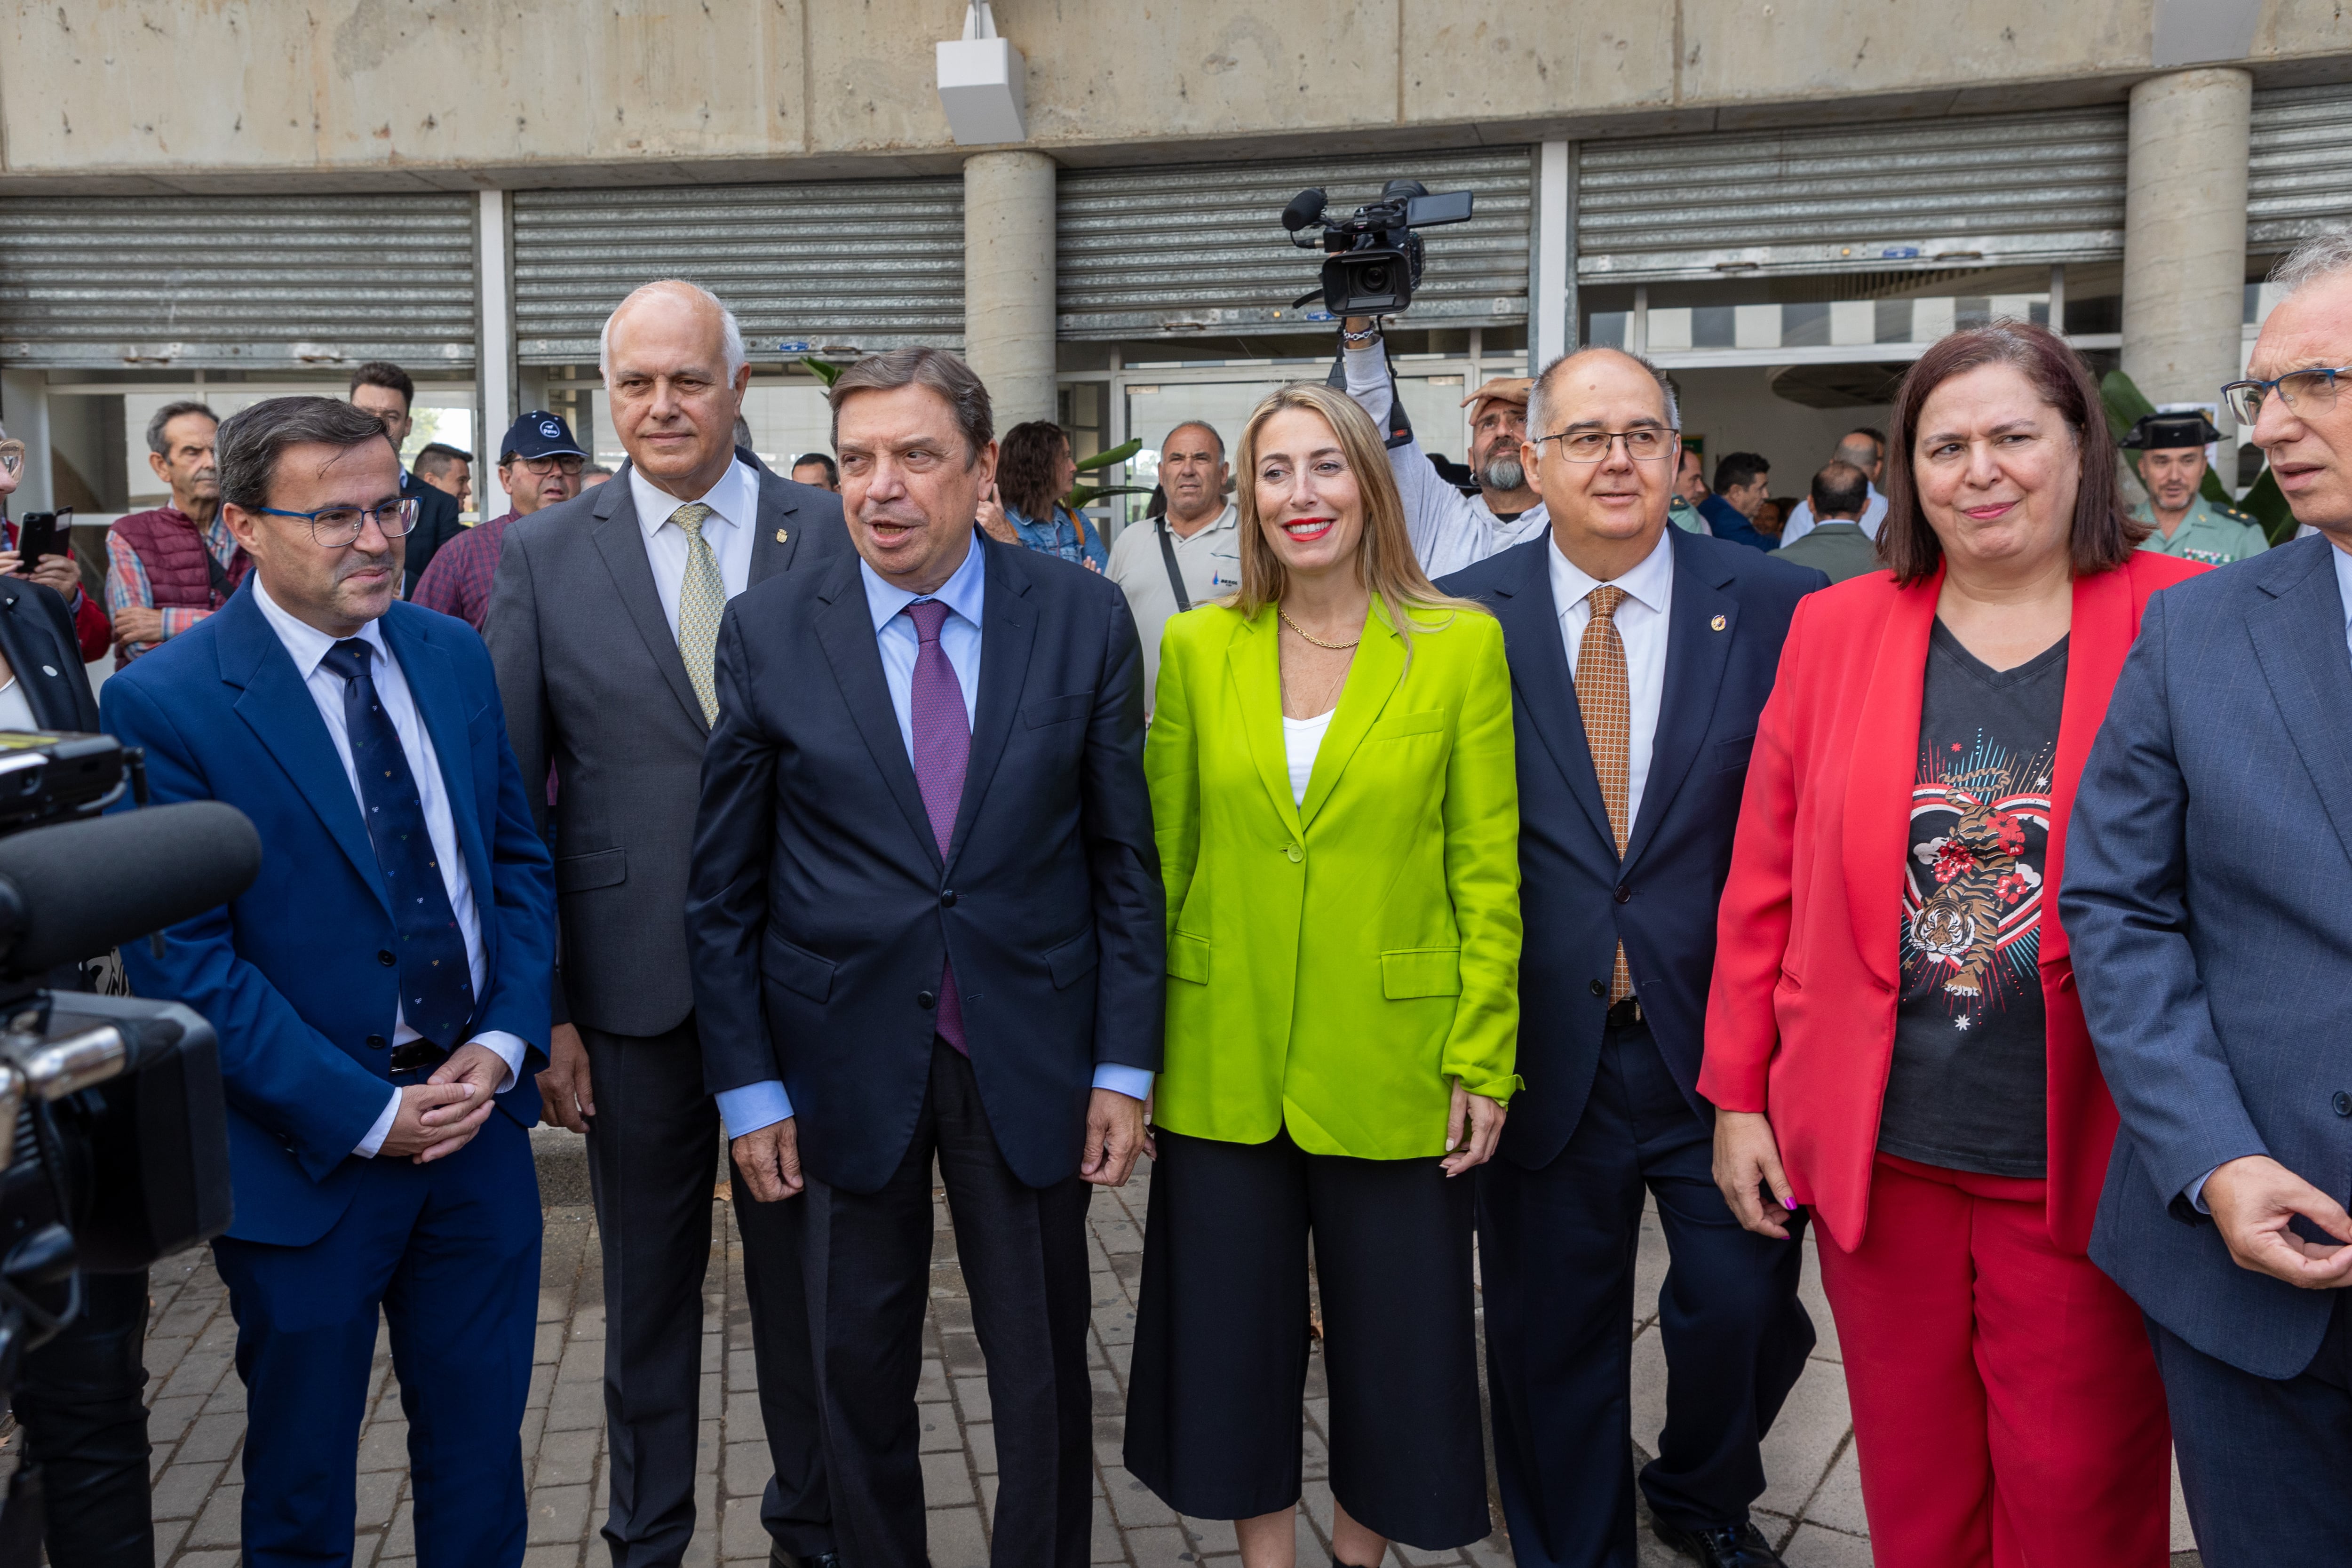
point(379, 993)
point(2209, 897)
point(1640, 658)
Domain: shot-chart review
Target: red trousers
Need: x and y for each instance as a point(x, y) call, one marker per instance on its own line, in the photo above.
point(2006, 1410)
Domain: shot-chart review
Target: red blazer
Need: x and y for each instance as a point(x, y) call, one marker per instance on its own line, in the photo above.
point(1801, 1016)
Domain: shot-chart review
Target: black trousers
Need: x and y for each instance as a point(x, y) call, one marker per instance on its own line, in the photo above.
point(1024, 1251)
point(1556, 1252)
point(650, 1165)
point(78, 1400)
point(1220, 1361)
point(2265, 1465)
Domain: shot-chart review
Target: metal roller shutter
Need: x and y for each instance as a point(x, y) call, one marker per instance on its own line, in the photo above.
point(869, 264)
point(270, 283)
point(2299, 175)
point(1996, 189)
point(1144, 252)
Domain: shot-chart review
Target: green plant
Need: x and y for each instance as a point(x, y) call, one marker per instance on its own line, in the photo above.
point(824, 370)
point(1084, 496)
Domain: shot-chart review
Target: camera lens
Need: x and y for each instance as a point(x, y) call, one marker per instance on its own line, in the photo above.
point(1375, 280)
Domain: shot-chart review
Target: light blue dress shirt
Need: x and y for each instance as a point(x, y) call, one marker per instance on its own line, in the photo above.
point(758, 1105)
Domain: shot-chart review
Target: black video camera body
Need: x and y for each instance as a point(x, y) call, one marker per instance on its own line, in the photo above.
point(1373, 257)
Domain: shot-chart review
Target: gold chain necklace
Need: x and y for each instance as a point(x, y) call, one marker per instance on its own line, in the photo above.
point(1310, 637)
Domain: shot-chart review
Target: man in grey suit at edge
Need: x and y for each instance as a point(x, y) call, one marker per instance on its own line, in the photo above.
point(601, 625)
point(2208, 891)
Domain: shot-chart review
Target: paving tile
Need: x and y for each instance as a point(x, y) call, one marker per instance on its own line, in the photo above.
point(1814, 1547)
point(220, 1523)
point(1805, 1437)
point(947, 1480)
point(1838, 1504)
point(956, 1538)
point(748, 1468)
point(558, 1513)
point(741, 1533)
point(180, 1492)
point(568, 1459)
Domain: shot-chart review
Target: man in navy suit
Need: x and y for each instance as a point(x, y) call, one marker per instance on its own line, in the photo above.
point(2208, 887)
point(381, 994)
point(1640, 658)
point(925, 924)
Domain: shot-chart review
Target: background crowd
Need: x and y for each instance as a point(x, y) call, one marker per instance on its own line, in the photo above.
point(1444, 867)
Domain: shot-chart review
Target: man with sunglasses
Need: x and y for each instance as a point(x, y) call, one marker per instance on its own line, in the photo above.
point(1641, 656)
point(538, 466)
point(381, 994)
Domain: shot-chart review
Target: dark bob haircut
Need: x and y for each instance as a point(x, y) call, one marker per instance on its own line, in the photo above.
point(1024, 469)
point(251, 440)
point(2103, 535)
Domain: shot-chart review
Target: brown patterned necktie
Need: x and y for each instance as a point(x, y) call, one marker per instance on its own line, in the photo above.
point(1605, 699)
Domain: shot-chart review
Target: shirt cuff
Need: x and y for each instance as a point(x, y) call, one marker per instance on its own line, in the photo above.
point(508, 1048)
point(1133, 1082)
point(381, 1130)
point(755, 1106)
point(2196, 1191)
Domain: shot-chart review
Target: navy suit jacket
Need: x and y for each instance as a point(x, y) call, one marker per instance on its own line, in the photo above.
point(2208, 896)
point(289, 974)
point(437, 523)
point(821, 908)
point(1729, 615)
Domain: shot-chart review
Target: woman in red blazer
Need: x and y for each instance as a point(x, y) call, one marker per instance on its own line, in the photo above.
point(1892, 1036)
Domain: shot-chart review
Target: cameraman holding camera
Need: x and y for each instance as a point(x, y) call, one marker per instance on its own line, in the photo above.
point(1451, 530)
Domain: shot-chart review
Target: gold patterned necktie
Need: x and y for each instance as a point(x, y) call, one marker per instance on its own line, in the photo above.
point(701, 600)
point(1604, 698)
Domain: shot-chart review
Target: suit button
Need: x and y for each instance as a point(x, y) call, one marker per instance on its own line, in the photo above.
point(377, 1042)
point(947, 899)
point(2343, 1103)
point(1625, 895)
point(1295, 853)
point(926, 1001)
point(1600, 988)
point(384, 957)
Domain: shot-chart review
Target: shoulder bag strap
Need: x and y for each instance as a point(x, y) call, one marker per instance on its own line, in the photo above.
point(1175, 578)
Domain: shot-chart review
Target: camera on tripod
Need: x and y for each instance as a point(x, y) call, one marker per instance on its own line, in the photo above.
point(1374, 260)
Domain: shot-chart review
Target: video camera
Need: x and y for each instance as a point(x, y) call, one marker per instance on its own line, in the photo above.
point(1373, 263)
point(113, 1139)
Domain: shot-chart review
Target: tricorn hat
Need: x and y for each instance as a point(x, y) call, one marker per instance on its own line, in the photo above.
point(2161, 431)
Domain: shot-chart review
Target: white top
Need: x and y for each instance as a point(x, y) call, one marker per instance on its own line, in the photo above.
point(307, 646)
point(1642, 625)
point(1450, 531)
point(1800, 521)
point(734, 503)
point(16, 712)
point(1301, 739)
point(1210, 562)
point(2344, 586)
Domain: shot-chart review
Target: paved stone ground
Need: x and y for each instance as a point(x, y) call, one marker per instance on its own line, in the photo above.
point(1812, 1511)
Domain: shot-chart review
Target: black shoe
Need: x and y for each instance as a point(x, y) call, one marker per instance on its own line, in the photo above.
point(1725, 1546)
point(780, 1558)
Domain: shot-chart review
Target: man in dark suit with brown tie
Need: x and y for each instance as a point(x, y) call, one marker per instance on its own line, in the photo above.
point(927, 925)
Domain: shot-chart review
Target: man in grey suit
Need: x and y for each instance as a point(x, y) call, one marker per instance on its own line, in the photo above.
point(603, 624)
point(2208, 891)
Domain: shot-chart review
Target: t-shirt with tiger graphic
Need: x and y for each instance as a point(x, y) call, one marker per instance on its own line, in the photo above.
point(1970, 1078)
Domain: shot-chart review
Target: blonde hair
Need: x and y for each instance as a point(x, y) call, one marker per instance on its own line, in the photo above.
point(1385, 562)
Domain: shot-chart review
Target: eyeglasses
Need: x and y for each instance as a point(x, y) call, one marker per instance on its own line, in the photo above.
point(1646, 444)
point(543, 467)
point(11, 456)
point(335, 526)
point(2302, 391)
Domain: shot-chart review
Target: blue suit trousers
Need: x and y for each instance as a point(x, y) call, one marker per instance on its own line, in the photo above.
point(450, 1252)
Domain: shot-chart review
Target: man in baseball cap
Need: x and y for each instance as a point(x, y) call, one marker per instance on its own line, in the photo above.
point(539, 465)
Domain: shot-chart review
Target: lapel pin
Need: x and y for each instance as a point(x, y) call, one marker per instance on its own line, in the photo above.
point(782, 536)
point(48, 670)
point(1718, 623)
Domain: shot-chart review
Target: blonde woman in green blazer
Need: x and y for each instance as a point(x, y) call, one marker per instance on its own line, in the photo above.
point(1337, 809)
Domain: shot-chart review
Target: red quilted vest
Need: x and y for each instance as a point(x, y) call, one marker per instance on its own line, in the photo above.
point(172, 551)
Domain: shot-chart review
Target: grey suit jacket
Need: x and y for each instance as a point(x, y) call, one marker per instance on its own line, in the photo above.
point(593, 685)
point(2209, 899)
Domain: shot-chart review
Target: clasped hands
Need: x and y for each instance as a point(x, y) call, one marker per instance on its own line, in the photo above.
point(441, 1115)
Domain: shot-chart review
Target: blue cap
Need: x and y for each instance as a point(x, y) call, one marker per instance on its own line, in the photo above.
point(539, 434)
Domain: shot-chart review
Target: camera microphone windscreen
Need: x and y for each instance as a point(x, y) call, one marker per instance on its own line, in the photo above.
point(72, 891)
point(1304, 208)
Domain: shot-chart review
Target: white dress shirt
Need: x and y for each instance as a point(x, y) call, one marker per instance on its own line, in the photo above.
point(1642, 625)
point(307, 646)
point(734, 503)
point(763, 1104)
point(1800, 521)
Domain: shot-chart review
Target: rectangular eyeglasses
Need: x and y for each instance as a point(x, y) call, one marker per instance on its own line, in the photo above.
point(2302, 392)
point(335, 526)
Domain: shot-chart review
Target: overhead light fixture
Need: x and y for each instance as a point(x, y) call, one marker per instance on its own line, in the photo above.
point(981, 84)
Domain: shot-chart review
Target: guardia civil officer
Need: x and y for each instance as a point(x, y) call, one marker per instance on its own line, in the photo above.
point(2172, 467)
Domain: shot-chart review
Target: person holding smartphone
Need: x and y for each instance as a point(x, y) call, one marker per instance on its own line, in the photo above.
point(50, 559)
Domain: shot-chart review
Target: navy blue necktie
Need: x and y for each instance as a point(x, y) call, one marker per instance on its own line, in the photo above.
point(436, 983)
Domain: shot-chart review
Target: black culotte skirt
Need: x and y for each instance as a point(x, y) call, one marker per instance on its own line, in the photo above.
point(1215, 1390)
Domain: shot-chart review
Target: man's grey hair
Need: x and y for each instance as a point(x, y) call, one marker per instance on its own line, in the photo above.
point(1214, 432)
point(1535, 425)
point(937, 369)
point(250, 441)
point(730, 331)
point(1859, 451)
point(2321, 256)
point(169, 411)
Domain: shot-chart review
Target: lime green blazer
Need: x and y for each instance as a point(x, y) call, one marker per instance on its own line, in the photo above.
point(1333, 965)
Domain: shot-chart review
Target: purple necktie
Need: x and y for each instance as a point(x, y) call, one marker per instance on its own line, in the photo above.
point(942, 748)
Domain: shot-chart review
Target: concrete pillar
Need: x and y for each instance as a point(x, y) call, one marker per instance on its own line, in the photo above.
point(494, 347)
point(2185, 234)
point(1551, 308)
point(1008, 282)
